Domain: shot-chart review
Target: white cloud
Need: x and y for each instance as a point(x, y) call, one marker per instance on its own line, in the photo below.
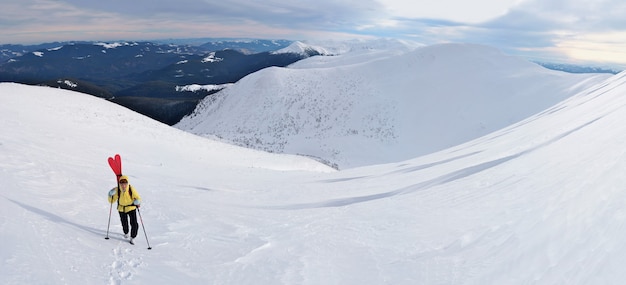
point(607, 47)
point(452, 10)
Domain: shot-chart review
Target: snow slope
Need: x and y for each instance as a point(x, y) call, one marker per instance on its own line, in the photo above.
point(538, 202)
point(371, 106)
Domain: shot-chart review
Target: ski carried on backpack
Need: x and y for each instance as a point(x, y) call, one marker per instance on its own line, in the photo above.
point(116, 165)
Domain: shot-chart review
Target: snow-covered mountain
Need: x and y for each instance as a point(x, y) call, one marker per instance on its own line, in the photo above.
point(302, 48)
point(538, 202)
point(377, 105)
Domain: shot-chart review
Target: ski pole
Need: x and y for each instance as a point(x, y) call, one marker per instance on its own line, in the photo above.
point(144, 228)
point(110, 208)
point(109, 224)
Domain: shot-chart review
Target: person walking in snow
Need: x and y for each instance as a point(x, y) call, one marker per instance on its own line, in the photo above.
point(128, 200)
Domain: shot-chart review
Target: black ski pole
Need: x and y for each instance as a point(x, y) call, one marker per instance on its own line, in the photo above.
point(144, 228)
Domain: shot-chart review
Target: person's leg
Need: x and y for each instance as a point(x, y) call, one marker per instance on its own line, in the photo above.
point(134, 226)
point(124, 220)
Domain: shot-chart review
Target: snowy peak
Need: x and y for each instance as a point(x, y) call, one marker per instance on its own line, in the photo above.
point(298, 47)
point(330, 47)
point(115, 44)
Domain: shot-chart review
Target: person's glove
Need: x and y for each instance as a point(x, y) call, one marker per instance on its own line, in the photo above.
point(112, 192)
point(137, 203)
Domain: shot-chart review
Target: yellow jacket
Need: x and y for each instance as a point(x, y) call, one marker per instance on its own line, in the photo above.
point(126, 200)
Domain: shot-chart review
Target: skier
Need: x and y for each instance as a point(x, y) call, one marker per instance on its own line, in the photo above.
point(128, 200)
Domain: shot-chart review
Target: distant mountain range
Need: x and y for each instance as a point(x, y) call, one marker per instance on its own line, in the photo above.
point(571, 68)
point(247, 46)
point(143, 76)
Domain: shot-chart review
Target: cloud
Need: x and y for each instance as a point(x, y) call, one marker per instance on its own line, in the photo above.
point(580, 31)
point(549, 30)
point(606, 48)
point(469, 12)
point(323, 14)
point(142, 19)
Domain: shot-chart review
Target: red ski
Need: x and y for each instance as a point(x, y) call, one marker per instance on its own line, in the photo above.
point(116, 165)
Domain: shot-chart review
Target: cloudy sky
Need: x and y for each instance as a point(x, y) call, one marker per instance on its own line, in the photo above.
point(574, 31)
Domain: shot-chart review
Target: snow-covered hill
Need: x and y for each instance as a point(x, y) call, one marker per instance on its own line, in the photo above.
point(371, 106)
point(537, 202)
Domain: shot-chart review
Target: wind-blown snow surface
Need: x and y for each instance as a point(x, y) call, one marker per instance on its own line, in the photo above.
point(538, 202)
point(381, 105)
